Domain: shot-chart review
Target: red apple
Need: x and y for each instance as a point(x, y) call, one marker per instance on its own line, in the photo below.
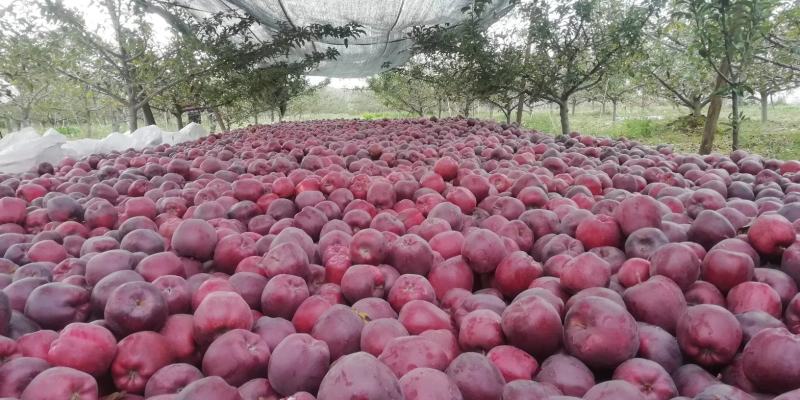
point(600, 333)
point(61, 383)
point(236, 356)
point(709, 334)
point(139, 356)
point(287, 376)
point(513, 363)
point(86, 347)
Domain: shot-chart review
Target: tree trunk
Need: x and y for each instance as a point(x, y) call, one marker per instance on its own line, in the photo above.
point(88, 122)
point(281, 111)
point(714, 108)
point(467, 107)
point(439, 115)
point(218, 118)
point(697, 109)
point(603, 107)
point(26, 118)
point(178, 113)
point(574, 105)
point(178, 119)
point(520, 108)
point(764, 105)
point(272, 115)
point(525, 58)
point(613, 111)
point(133, 124)
point(255, 118)
point(563, 111)
point(149, 118)
point(89, 115)
point(735, 120)
point(507, 113)
point(115, 121)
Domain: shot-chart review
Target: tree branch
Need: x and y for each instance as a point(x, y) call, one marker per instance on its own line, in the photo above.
point(778, 63)
point(157, 91)
point(672, 90)
point(93, 85)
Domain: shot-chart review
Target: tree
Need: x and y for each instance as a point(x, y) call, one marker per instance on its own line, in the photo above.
point(728, 35)
point(126, 68)
point(27, 56)
point(308, 100)
point(129, 68)
point(776, 66)
point(783, 40)
point(528, 34)
point(26, 83)
point(272, 88)
point(401, 92)
point(462, 61)
point(115, 69)
point(447, 91)
point(767, 79)
point(508, 69)
point(680, 75)
point(575, 43)
point(616, 87)
point(204, 91)
point(32, 89)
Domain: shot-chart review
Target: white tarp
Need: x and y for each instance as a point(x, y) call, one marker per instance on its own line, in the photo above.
point(25, 149)
point(386, 24)
point(190, 132)
point(146, 137)
point(80, 148)
point(114, 141)
point(24, 135)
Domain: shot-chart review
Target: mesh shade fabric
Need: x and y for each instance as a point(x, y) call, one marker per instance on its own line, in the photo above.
point(386, 24)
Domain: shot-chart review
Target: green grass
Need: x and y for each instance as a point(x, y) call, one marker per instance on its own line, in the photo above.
point(779, 137)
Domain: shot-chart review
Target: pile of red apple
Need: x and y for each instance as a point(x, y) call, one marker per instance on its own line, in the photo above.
point(409, 259)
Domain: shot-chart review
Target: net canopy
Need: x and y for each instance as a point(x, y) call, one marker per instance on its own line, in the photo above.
point(386, 24)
